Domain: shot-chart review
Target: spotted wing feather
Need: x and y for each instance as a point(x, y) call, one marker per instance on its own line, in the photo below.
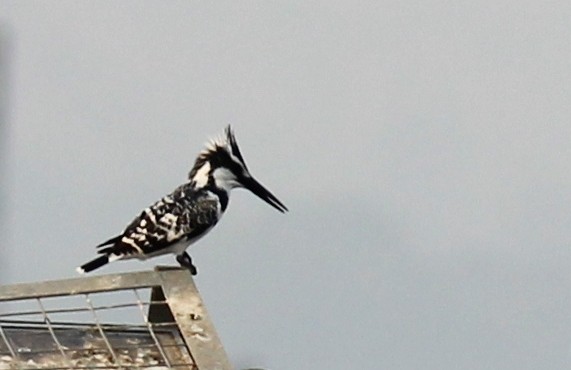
point(184, 214)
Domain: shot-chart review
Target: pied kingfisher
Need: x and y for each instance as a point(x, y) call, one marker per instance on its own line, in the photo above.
point(189, 212)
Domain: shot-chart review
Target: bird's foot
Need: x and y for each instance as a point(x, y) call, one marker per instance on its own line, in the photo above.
point(186, 261)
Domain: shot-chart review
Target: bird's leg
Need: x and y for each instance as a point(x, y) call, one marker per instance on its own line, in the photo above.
point(186, 261)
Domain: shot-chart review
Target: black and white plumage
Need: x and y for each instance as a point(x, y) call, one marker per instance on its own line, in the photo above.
point(188, 213)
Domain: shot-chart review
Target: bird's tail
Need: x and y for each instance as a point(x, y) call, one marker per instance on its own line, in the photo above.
point(94, 264)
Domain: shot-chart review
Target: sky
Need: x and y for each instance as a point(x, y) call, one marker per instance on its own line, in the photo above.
point(422, 148)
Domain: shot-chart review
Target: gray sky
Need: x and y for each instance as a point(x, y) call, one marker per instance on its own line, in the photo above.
point(421, 147)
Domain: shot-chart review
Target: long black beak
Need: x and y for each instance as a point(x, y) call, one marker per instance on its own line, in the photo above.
point(255, 187)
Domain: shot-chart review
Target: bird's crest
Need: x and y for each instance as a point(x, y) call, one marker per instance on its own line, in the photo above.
point(222, 146)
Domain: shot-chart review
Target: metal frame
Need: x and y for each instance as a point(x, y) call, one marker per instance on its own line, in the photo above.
point(174, 298)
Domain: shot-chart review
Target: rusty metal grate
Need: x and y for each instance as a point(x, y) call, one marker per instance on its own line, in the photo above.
point(143, 320)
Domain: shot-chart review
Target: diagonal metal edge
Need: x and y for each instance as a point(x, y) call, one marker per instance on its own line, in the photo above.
point(193, 320)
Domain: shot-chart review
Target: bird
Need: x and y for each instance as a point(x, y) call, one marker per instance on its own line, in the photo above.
point(182, 217)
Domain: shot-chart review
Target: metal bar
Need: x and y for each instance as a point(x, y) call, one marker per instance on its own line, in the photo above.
point(151, 367)
point(116, 327)
point(81, 348)
point(151, 331)
point(5, 338)
point(52, 332)
point(69, 310)
point(83, 285)
point(101, 331)
point(193, 320)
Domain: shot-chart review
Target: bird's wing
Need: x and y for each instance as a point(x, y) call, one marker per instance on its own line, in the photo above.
point(175, 217)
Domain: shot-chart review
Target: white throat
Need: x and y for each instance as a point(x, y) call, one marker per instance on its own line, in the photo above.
point(224, 179)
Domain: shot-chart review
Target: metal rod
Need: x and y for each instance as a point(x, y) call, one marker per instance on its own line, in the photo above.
point(52, 332)
point(69, 310)
point(101, 331)
point(5, 338)
point(127, 327)
point(151, 330)
point(102, 367)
